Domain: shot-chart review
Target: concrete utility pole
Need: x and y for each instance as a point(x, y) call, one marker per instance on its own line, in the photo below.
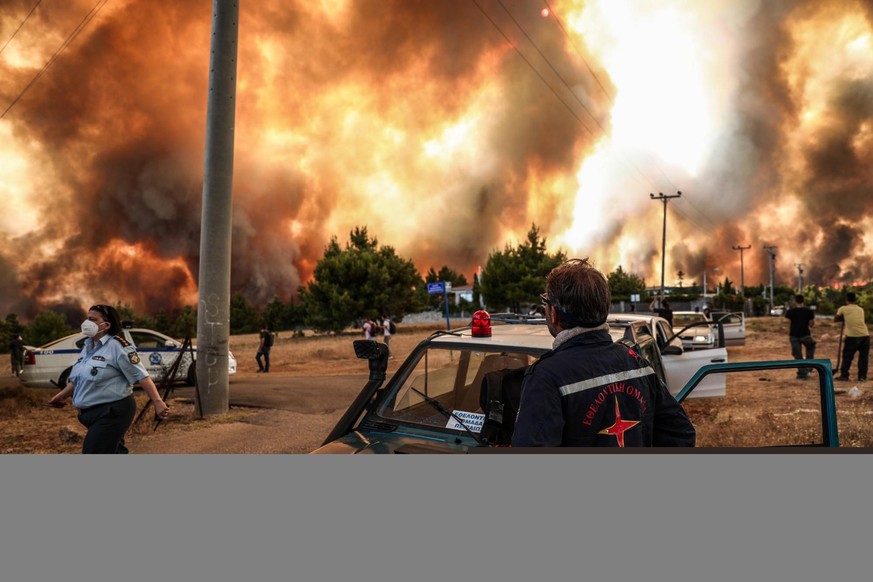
point(771, 250)
point(664, 199)
point(742, 270)
point(799, 277)
point(213, 312)
point(705, 269)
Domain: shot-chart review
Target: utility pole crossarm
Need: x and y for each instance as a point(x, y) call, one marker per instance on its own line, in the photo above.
point(664, 198)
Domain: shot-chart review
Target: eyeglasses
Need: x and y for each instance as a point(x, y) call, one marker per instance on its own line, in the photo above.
point(102, 309)
point(545, 300)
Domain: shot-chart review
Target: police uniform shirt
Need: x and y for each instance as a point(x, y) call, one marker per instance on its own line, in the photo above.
point(105, 372)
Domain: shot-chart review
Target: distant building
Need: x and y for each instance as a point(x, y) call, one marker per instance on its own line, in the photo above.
point(464, 292)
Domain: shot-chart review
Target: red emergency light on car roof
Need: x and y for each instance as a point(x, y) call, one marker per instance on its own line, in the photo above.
point(481, 324)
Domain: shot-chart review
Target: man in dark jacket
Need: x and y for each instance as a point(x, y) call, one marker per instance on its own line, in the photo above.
point(799, 335)
point(588, 391)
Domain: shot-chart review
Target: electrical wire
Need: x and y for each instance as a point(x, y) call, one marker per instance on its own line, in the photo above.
point(557, 19)
point(3, 48)
point(684, 216)
point(644, 182)
point(85, 21)
point(534, 69)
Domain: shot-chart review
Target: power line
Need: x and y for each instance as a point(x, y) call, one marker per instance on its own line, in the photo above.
point(85, 21)
point(534, 69)
point(608, 94)
point(637, 173)
point(645, 181)
point(19, 26)
point(581, 56)
point(548, 62)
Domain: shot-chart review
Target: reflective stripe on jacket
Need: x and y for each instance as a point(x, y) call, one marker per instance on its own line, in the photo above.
point(590, 391)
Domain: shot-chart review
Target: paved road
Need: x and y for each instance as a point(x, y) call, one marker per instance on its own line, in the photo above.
point(303, 394)
point(299, 412)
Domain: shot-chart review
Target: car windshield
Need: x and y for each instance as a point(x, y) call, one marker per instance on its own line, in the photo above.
point(454, 378)
point(681, 320)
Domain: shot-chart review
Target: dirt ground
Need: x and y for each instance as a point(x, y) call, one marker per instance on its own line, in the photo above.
point(773, 407)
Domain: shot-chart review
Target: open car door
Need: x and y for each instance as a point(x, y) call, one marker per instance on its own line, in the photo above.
point(770, 405)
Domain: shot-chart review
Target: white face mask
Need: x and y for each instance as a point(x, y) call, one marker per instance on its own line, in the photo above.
point(89, 328)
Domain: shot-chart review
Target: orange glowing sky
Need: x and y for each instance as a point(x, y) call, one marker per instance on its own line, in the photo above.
point(447, 128)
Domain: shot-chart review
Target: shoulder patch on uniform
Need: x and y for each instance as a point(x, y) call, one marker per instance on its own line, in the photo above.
point(121, 340)
point(133, 357)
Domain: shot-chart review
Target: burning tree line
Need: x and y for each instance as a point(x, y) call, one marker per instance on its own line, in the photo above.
point(362, 279)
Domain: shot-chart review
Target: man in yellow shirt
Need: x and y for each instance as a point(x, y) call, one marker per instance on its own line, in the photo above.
point(857, 338)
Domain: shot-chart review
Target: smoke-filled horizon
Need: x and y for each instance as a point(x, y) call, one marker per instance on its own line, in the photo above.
point(445, 128)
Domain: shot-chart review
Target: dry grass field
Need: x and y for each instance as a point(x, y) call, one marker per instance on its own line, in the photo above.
point(771, 408)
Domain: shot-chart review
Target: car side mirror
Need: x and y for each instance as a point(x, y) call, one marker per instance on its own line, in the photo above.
point(170, 344)
point(671, 350)
point(376, 353)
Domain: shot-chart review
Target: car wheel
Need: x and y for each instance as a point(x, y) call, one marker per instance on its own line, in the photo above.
point(64, 377)
point(191, 377)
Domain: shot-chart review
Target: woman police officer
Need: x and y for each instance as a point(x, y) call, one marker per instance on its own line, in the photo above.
point(101, 382)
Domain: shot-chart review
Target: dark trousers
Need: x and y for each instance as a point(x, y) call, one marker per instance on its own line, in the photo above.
point(797, 346)
point(852, 345)
point(265, 366)
point(107, 424)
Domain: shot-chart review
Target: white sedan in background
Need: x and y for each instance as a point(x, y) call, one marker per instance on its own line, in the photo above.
point(694, 330)
point(50, 364)
point(734, 324)
point(679, 364)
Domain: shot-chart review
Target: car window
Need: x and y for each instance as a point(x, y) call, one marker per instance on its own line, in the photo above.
point(680, 320)
point(652, 353)
point(143, 340)
point(453, 378)
point(662, 335)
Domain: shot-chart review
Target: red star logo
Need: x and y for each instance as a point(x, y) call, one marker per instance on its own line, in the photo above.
point(619, 426)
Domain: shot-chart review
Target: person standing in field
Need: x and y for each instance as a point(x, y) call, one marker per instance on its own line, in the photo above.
point(857, 341)
point(16, 353)
point(663, 309)
point(264, 345)
point(802, 318)
point(387, 330)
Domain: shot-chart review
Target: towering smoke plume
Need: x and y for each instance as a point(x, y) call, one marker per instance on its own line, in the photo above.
point(447, 128)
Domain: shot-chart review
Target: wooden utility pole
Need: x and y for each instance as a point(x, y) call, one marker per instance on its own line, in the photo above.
point(742, 270)
point(213, 312)
point(799, 277)
point(664, 199)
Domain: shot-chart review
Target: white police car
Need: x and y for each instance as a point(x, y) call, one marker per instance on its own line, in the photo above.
point(50, 364)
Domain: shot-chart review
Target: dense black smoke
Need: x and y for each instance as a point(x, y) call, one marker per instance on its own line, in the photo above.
point(121, 120)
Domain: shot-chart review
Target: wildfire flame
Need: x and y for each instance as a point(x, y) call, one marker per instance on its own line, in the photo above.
point(446, 128)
